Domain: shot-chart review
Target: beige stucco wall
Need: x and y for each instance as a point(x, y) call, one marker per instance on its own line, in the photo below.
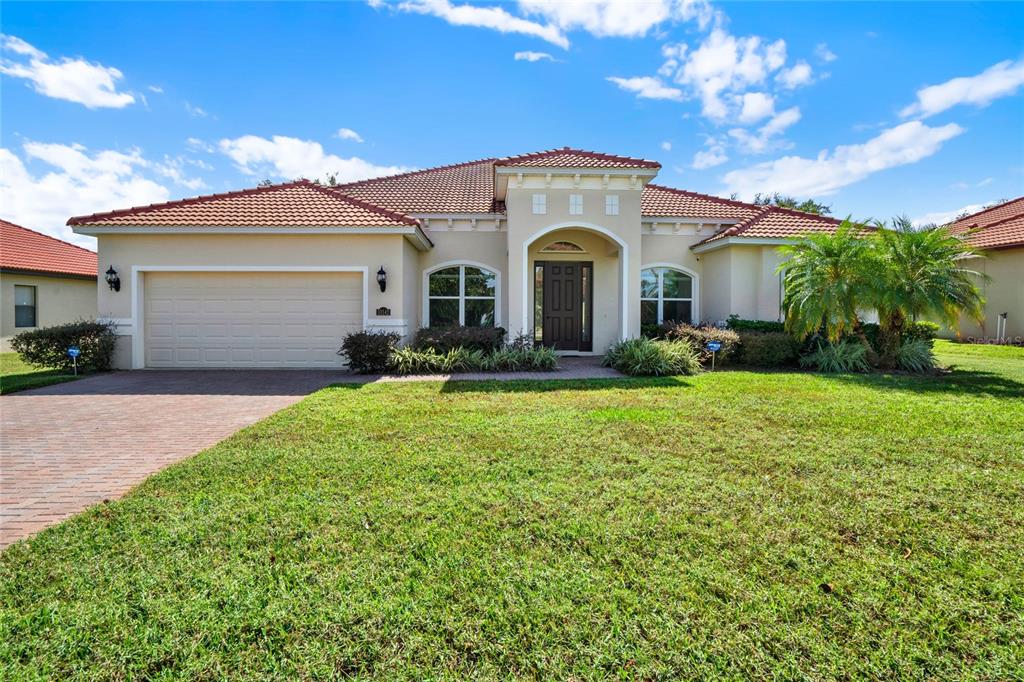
point(1004, 293)
point(58, 300)
point(524, 225)
point(280, 251)
point(741, 280)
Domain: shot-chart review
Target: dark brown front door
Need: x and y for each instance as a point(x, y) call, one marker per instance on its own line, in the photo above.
point(566, 312)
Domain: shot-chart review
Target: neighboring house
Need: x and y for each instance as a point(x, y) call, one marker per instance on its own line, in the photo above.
point(576, 249)
point(999, 231)
point(43, 281)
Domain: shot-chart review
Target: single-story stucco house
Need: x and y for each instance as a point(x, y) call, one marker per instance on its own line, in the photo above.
point(999, 232)
point(43, 281)
point(574, 248)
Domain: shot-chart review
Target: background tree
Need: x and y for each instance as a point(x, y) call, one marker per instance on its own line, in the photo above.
point(784, 201)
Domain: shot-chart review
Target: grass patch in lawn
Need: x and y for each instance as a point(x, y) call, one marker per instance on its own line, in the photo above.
point(17, 375)
point(734, 524)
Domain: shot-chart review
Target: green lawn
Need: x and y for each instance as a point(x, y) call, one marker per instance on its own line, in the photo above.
point(735, 524)
point(16, 375)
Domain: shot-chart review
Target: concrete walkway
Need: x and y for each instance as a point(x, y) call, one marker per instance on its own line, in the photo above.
point(66, 447)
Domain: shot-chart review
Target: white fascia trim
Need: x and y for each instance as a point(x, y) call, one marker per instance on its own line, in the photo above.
point(750, 241)
point(570, 170)
point(425, 312)
point(458, 216)
point(138, 307)
point(184, 229)
point(694, 295)
point(579, 225)
point(689, 220)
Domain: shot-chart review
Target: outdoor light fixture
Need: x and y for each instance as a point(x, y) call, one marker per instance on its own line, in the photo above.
point(113, 280)
point(382, 279)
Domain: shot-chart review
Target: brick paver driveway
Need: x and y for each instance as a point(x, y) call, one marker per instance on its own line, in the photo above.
point(66, 447)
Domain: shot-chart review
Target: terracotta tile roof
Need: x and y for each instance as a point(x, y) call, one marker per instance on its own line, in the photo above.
point(294, 204)
point(657, 200)
point(772, 222)
point(998, 227)
point(575, 158)
point(459, 188)
point(25, 249)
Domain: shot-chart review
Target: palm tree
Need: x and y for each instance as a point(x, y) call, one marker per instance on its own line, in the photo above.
point(826, 282)
point(916, 273)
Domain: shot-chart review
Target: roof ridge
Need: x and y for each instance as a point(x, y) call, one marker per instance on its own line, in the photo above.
point(709, 197)
point(134, 210)
point(807, 214)
point(356, 183)
point(41, 234)
point(980, 228)
point(361, 203)
point(647, 163)
point(985, 210)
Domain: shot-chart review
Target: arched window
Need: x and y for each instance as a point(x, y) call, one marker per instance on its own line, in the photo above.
point(563, 247)
point(462, 295)
point(666, 294)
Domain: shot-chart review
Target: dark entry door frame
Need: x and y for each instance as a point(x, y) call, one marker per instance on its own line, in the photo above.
point(564, 290)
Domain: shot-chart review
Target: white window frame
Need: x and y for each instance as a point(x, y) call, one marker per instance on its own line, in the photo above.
point(611, 204)
point(575, 204)
point(660, 299)
point(540, 204)
point(35, 306)
point(462, 298)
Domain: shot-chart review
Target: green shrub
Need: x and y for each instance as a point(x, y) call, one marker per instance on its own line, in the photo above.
point(444, 339)
point(916, 355)
point(736, 324)
point(647, 357)
point(923, 330)
point(369, 352)
point(845, 356)
point(508, 359)
point(48, 347)
point(698, 337)
point(767, 349)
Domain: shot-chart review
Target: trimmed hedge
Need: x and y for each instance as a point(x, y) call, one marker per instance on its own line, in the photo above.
point(767, 349)
point(369, 352)
point(698, 338)
point(48, 347)
point(444, 339)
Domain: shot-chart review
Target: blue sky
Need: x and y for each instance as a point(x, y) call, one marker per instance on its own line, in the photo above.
point(878, 109)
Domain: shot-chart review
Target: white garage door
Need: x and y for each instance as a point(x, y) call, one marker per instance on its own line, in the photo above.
point(250, 319)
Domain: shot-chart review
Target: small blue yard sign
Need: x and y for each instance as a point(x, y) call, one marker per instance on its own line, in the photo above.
point(73, 353)
point(714, 346)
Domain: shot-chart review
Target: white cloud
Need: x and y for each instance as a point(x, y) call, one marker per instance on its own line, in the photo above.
point(175, 169)
point(76, 182)
point(495, 18)
point(290, 158)
point(944, 217)
point(73, 80)
point(195, 144)
point(756, 105)
point(824, 53)
point(713, 156)
point(647, 87)
point(155, 88)
point(795, 76)
point(666, 145)
point(349, 134)
point(194, 111)
point(529, 56)
point(999, 80)
point(615, 18)
point(763, 140)
point(722, 65)
point(846, 164)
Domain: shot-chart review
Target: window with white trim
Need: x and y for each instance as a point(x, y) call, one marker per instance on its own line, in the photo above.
point(666, 295)
point(24, 306)
point(611, 204)
point(575, 204)
point(540, 204)
point(461, 295)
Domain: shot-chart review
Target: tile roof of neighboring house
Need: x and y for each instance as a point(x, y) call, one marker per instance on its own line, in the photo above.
point(998, 227)
point(458, 188)
point(657, 200)
point(574, 158)
point(294, 204)
point(772, 222)
point(25, 249)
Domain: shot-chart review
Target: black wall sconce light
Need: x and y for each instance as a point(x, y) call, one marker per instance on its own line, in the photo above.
point(112, 279)
point(382, 279)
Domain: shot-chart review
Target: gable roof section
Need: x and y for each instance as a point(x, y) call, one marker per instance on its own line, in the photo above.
point(574, 158)
point(998, 227)
point(458, 188)
point(25, 249)
point(294, 204)
point(658, 200)
point(772, 222)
